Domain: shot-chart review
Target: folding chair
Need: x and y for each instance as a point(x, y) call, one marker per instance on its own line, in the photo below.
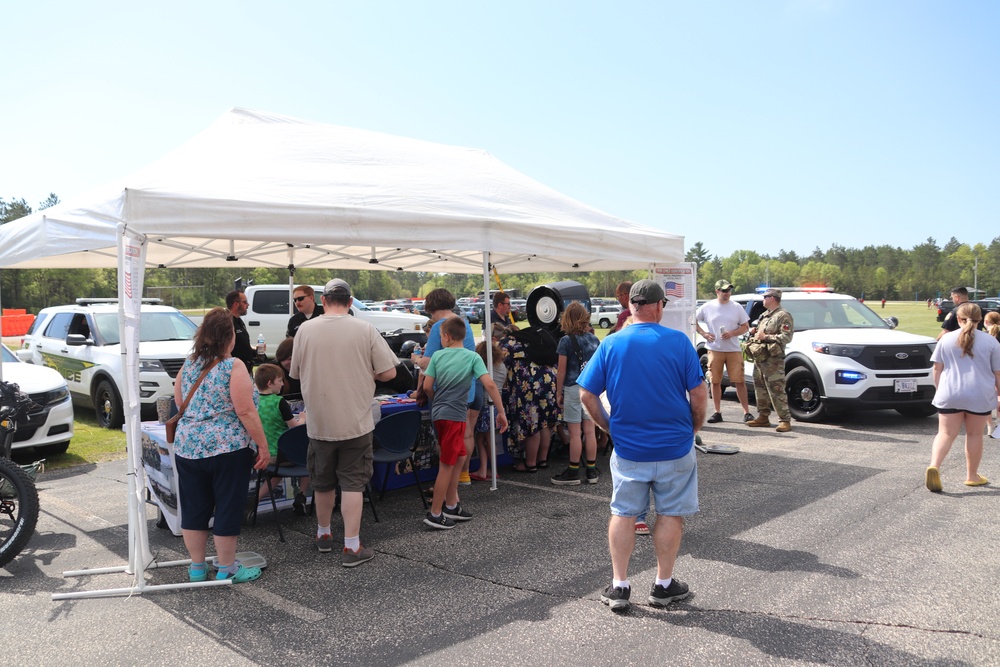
point(292, 447)
point(396, 434)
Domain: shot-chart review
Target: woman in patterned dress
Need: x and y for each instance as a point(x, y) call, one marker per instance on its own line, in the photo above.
point(216, 447)
point(531, 406)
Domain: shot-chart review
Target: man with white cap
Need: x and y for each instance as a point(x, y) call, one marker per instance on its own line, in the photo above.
point(721, 322)
point(338, 359)
point(657, 393)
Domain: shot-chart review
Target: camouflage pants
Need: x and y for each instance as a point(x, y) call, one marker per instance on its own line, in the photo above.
point(769, 387)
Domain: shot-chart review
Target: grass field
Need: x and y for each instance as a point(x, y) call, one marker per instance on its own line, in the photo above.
point(92, 444)
point(914, 316)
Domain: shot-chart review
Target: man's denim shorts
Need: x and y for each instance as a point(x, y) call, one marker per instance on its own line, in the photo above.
point(674, 485)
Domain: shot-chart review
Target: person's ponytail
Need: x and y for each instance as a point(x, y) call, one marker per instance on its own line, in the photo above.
point(972, 315)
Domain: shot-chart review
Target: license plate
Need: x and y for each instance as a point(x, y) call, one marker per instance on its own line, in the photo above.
point(906, 386)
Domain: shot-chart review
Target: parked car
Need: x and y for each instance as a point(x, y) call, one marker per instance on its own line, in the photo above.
point(604, 316)
point(267, 313)
point(81, 342)
point(843, 356)
point(519, 309)
point(50, 422)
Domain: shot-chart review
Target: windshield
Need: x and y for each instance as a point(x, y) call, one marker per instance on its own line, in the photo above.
point(832, 314)
point(155, 326)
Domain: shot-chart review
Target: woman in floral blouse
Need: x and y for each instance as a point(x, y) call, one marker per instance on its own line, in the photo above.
point(216, 447)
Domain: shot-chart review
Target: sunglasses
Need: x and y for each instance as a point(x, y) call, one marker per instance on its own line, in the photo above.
point(300, 299)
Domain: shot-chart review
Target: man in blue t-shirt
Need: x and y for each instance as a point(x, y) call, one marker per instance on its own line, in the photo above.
point(658, 397)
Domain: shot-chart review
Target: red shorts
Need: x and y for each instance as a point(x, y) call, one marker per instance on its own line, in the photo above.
point(451, 439)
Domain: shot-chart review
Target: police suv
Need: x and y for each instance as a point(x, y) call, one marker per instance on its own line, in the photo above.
point(81, 342)
point(843, 357)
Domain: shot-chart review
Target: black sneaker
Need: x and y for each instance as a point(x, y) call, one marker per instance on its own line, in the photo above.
point(616, 597)
point(457, 514)
point(299, 505)
point(567, 477)
point(661, 597)
point(593, 474)
point(441, 523)
point(715, 418)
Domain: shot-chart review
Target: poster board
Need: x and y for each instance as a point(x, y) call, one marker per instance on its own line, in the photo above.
point(680, 285)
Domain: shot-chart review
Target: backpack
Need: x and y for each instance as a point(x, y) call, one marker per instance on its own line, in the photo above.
point(539, 345)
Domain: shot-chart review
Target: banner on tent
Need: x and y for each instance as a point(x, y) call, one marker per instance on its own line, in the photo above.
point(680, 285)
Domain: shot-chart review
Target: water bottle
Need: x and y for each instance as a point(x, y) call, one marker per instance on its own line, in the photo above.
point(261, 345)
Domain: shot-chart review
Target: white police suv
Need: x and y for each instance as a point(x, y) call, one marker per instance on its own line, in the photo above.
point(49, 426)
point(844, 357)
point(81, 342)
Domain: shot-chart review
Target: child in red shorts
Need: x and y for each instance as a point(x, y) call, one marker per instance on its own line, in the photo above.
point(448, 385)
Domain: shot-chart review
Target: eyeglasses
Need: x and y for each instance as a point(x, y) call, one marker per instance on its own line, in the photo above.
point(300, 299)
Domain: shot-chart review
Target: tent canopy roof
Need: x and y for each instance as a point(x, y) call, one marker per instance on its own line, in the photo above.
point(260, 189)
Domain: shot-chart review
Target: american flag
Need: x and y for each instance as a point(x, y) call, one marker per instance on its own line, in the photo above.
point(673, 289)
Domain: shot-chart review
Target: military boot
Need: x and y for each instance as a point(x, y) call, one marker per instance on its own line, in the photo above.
point(784, 427)
point(761, 420)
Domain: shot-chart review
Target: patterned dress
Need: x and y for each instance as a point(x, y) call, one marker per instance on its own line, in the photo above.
point(530, 395)
point(209, 426)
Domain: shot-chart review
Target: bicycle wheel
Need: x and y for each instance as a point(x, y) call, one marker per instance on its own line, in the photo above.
point(18, 510)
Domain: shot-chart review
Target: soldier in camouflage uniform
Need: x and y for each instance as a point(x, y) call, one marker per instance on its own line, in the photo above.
point(767, 345)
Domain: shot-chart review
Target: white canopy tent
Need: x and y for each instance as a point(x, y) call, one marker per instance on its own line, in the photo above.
point(258, 189)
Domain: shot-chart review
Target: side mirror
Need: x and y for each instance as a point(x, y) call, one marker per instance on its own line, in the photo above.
point(77, 340)
point(892, 321)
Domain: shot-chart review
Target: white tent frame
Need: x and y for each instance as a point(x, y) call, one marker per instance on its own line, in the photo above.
point(166, 216)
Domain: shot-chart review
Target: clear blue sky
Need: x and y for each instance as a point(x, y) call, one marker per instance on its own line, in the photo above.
point(761, 125)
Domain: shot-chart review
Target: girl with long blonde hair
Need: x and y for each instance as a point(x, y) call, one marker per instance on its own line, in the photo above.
point(967, 377)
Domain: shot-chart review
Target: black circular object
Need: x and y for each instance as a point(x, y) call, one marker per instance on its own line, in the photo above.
point(546, 303)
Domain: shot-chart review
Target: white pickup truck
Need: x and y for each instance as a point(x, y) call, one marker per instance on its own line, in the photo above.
point(268, 312)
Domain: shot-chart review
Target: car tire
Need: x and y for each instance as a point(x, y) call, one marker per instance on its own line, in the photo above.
point(52, 450)
point(108, 405)
point(605, 323)
point(803, 395)
point(917, 411)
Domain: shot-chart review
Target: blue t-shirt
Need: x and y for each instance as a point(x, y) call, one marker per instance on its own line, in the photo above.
point(647, 370)
point(434, 344)
point(586, 345)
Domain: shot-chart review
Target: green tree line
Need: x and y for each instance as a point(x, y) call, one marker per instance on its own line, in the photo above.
point(924, 271)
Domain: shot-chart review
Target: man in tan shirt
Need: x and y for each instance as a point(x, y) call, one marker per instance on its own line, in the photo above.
point(338, 359)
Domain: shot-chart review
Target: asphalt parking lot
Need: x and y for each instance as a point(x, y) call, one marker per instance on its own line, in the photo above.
point(819, 546)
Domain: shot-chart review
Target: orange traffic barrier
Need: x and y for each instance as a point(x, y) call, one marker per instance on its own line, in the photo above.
point(15, 324)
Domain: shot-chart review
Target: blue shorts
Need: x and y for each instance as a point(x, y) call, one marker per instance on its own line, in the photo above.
point(218, 484)
point(674, 485)
point(479, 397)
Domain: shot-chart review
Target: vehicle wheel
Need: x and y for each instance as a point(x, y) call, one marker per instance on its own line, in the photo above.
point(917, 411)
point(108, 406)
point(803, 395)
point(53, 450)
point(18, 510)
point(605, 323)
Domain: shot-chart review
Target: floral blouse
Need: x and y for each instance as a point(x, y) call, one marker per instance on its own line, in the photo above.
point(209, 426)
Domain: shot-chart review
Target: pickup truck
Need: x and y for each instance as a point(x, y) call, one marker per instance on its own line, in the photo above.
point(268, 312)
point(986, 305)
point(604, 316)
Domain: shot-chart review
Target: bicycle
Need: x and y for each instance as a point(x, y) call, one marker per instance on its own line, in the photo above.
point(18, 496)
